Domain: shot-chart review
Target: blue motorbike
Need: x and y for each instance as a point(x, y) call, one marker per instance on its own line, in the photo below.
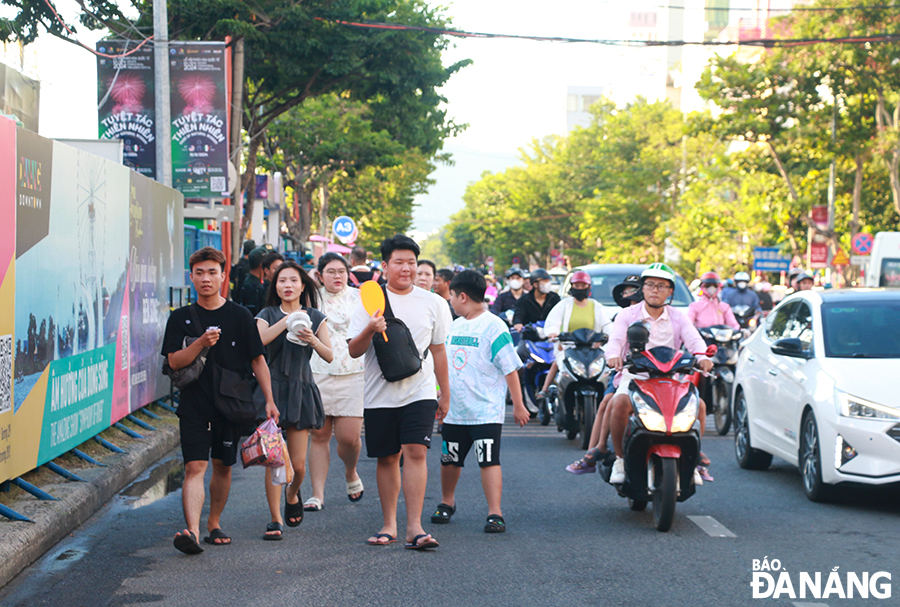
point(537, 356)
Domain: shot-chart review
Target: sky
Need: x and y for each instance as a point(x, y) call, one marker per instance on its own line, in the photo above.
point(513, 92)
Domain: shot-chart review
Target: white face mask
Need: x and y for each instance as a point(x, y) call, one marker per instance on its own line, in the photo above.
point(544, 287)
point(742, 285)
point(515, 285)
point(710, 291)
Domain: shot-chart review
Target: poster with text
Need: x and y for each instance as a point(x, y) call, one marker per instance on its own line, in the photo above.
point(199, 105)
point(155, 264)
point(8, 168)
point(125, 94)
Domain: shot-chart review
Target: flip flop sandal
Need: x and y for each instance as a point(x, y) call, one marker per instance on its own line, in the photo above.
point(293, 511)
point(580, 467)
point(704, 460)
point(217, 534)
point(390, 539)
point(273, 526)
point(313, 504)
point(495, 524)
point(442, 514)
point(704, 473)
point(355, 487)
point(187, 543)
point(593, 456)
point(425, 545)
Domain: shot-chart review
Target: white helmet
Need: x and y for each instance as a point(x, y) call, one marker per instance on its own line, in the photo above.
point(741, 277)
point(659, 270)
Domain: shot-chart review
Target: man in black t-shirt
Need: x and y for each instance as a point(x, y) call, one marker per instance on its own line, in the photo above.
point(231, 335)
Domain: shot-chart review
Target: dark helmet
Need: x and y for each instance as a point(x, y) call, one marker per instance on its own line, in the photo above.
point(539, 274)
point(619, 289)
point(515, 270)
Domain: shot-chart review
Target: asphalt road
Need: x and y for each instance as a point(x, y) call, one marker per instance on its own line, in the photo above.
point(570, 541)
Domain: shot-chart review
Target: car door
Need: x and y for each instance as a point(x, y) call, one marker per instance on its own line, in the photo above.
point(790, 383)
point(764, 414)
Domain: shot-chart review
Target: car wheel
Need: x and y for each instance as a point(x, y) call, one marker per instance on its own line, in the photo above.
point(747, 457)
point(811, 461)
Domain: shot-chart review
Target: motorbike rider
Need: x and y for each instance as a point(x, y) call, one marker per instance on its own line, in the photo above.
point(742, 294)
point(626, 294)
point(532, 307)
point(507, 298)
point(805, 282)
point(576, 311)
point(668, 327)
point(709, 310)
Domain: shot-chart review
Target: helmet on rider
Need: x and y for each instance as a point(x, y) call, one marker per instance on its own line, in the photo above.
point(580, 285)
point(741, 280)
point(710, 278)
point(659, 271)
point(515, 278)
point(628, 292)
point(514, 271)
point(540, 280)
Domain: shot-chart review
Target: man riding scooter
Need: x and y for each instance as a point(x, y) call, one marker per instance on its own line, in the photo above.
point(668, 327)
point(743, 300)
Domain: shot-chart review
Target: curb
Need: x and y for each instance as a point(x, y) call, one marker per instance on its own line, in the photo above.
point(23, 543)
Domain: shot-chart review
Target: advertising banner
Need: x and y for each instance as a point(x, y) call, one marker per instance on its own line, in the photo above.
point(770, 259)
point(199, 107)
point(155, 264)
point(125, 94)
point(71, 313)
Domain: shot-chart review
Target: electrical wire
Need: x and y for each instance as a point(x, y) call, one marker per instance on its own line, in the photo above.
point(763, 42)
point(86, 47)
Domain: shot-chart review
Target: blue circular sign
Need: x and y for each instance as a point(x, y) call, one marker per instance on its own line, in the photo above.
point(343, 227)
point(862, 244)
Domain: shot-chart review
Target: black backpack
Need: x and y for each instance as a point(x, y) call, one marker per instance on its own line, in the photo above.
point(398, 357)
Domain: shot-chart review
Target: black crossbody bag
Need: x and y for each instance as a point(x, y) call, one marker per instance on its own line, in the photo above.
point(185, 376)
point(398, 357)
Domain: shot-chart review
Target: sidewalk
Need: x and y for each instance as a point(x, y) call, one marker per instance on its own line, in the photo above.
point(23, 543)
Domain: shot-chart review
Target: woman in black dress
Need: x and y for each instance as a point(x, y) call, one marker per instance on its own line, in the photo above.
point(291, 294)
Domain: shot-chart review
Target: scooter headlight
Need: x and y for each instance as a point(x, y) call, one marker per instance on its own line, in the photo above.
point(650, 417)
point(684, 419)
point(577, 366)
point(596, 367)
point(723, 334)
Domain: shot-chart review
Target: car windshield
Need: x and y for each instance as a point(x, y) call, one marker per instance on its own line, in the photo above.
point(862, 329)
point(890, 273)
point(602, 286)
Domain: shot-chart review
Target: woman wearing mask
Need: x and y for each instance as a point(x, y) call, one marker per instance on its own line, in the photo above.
point(709, 310)
point(289, 348)
point(576, 311)
point(341, 384)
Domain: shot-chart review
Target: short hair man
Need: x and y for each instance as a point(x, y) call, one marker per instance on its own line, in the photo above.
point(399, 416)
point(484, 366)
point(270, 263)
point(253, 291)
point(442, 280)
point(360, 271)
point(239, 271)
point(205, 433)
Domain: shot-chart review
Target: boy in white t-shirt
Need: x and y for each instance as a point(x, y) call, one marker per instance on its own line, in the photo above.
point(483, 364)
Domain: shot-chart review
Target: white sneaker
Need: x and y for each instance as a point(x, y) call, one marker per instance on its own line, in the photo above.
point(617, 477)
point(698, 480)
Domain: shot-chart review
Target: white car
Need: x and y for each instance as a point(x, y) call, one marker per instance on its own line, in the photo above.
point(817, 385)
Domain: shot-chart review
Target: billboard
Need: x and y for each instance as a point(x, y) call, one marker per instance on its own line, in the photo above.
point(199, 106)
point(125, 94)
point(66, 346)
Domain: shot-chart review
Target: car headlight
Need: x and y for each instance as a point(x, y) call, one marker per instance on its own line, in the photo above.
point(596, 367)
point(577, 366)
point(852, 406)
point(723, 334)
point(684, 419)
point(650, 417)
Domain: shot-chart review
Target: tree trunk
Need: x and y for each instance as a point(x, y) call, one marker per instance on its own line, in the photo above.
point(323, 209)
point(248, 185)
point(237, 123)
point(857, 194)
point(782, 170)
point(885, 122)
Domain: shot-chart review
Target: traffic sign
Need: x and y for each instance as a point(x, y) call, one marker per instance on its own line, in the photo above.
point(345, 229)
point(770, 259)
point(860, 260)
point(862, 244)
point(840, 258)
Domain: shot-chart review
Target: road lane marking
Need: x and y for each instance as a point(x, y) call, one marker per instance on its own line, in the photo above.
point(712, 527)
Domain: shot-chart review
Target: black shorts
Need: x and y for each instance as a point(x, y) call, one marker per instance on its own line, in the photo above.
point(458, 439)
point(202, 440)
point(389, 428)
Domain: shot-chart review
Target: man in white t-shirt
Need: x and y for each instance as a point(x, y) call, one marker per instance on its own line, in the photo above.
point(483, 364)
point(399, 416)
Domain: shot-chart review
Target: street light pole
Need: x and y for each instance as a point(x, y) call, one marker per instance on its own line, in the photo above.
point(161, 86)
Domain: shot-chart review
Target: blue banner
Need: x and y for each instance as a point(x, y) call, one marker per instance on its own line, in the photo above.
point(770, 259)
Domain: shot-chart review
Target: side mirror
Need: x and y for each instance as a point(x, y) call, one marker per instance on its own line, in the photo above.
point(791, 346)
point(711, 350)
point(601, 339)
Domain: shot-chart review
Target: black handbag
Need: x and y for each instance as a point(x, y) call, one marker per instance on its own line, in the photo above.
point(233, 395)
point(398, 357)
point(185, 376)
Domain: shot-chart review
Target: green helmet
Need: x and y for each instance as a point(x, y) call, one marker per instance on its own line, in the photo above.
point(659, 270)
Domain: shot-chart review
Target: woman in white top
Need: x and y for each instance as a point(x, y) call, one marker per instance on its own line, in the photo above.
point(340, 384)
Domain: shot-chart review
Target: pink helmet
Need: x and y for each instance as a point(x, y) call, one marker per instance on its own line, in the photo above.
point(580, 276)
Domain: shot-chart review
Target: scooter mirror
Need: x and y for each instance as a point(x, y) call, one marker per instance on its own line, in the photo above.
point(711, 350)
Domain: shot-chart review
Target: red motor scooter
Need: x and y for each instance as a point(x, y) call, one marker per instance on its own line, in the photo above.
point(662, 439)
